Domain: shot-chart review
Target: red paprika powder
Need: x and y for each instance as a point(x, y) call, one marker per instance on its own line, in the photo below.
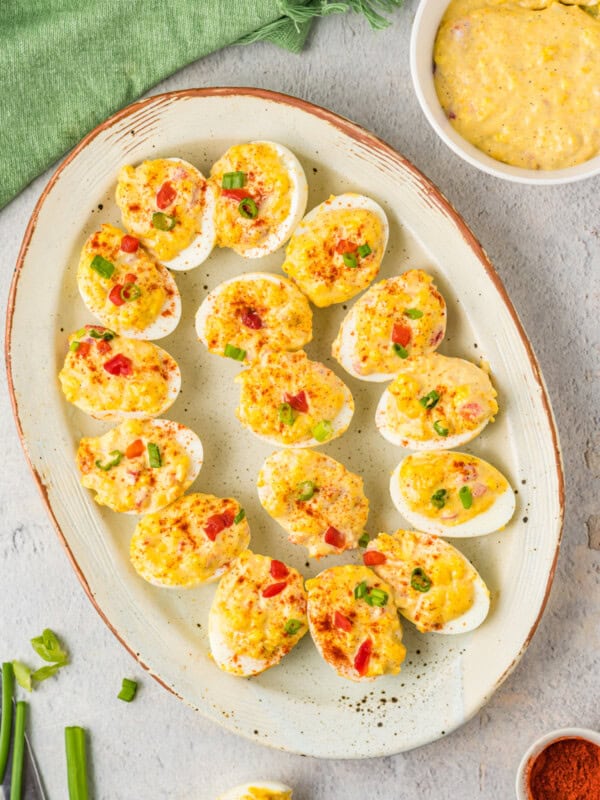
point(567, 769)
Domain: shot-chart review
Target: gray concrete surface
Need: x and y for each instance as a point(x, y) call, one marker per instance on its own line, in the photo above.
point(545, 244)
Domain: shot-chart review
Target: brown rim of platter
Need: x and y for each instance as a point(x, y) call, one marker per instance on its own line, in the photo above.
point(375, 144)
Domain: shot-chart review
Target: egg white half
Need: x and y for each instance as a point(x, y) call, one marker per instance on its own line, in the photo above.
point(242, 792)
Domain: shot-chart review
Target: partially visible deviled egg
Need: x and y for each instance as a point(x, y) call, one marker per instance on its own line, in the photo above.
point(192, 541)
point(113, 377)
point(125, 287)
point(141, 465)
point(259, 790)
point(320, 504)
point(258, 614)
point(436, 402)
point(433, 584)
point(261, 193)
point(337, 249)
point(451, 494)
point(354, 623)
point(398, 318)
point(169, 205)
point(255, 312)
point(288, 400)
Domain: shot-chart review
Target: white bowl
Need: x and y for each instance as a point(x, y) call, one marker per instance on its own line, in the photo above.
point(427, 20)
point(541, 743)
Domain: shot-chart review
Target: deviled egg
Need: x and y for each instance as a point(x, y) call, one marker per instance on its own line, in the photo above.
point(169, 206)
point(433, 584)
point(451, 494)
point(258, 614)
point(255, 312)
point(354, 623)
point(194, 540)
point(259, 790)
point(141, 465)
point(337, 249)
point(320, 503)
point(113, 377)
point(288, 400)
point(398, 318)
point(261, 193)
point(122, 285)
point(436, 403)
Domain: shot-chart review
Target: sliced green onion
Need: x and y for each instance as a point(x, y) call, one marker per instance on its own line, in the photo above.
point(74, 346)
point(22, 675)
point(129, 292)
point(81, 333)
point(364, 250)
point(234, 352)
point(360, 590)
point(287, 415)
point(128, 690)
point(163, 222)
point(154, 455)
point(103, 267)
point(419, 581)
point(239, 516)
point(413, 313)
point(292, 626)
point(430, 400)
point(45, 672)
point(107, 335)
point(400, 351)
point(306, 490)
point(76, 763)
point(233, 180)
point(323, 430)
point(364, 540)
point(438, 499)
point(439, 428)
point(16, 775)
point(465, 496)
point(376, 597)
point(114, 461)
point(8, 685)
point(48, 645)
point(248, 208)
point(350, 260)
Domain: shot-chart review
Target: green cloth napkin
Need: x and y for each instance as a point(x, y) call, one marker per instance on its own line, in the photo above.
point(66, 65)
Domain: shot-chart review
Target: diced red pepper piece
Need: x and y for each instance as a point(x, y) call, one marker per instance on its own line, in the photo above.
point(363, 656)
point(103, 346)
point(252, 320)
point(299, 402)
point(401, 334)
point(373, 557)
point(273, 589)
point(129, 244)
point(130, 278)
point(342, 622)
point(345, 246)
point(334, 537)
point(471, 410)
point(228, 518)
point(278, 569)
point(165, 195)
point(115, 295)
point(236, 194)
point(135, 449)
point(119, 365)
point(217, 523)
point(83, 349)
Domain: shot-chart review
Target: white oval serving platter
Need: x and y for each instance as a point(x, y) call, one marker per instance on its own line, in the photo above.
point(301, 705)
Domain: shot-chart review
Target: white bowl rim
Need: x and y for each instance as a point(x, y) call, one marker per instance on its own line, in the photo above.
point(423, 84)
point(541, 743)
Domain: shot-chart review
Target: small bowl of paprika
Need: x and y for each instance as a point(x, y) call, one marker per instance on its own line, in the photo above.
point(562, 765)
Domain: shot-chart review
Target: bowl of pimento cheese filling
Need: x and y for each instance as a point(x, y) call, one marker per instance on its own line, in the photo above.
point(512, 86)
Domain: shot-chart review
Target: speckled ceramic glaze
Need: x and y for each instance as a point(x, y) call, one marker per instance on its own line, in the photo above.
point(300, 705)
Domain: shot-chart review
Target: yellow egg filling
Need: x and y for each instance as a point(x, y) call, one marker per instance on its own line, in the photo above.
point(519, 80)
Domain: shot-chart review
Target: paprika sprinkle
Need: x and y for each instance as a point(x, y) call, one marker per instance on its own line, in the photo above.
point(567, 769)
